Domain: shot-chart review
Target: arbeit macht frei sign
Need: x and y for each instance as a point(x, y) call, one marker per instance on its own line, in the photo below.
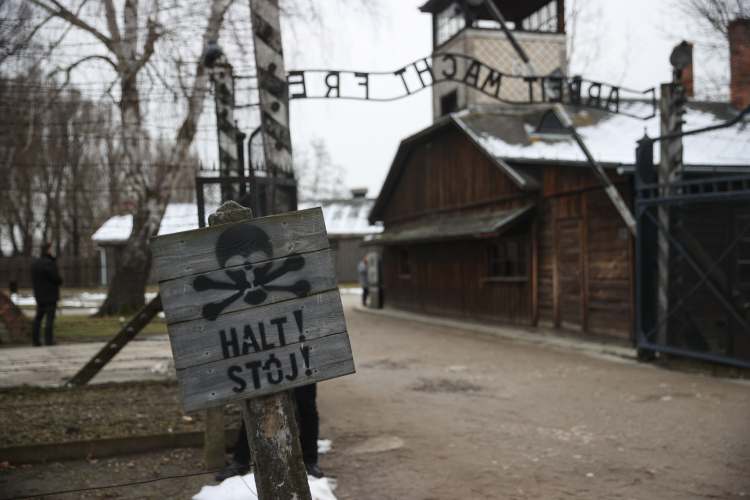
point(446, 67)
point(252, 308)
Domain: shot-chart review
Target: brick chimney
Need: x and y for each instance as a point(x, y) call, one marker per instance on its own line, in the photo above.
point(739, 60)
point(686, 78)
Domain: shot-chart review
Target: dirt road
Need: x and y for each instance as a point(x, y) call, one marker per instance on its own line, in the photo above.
point(468, 417)
point(435, 414)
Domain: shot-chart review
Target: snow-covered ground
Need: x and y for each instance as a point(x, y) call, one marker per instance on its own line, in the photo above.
point(87, 300)
point(237, 487)
point(83, 300)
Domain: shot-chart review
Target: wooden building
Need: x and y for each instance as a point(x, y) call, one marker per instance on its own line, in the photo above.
point(468, 234)
point(492, 213)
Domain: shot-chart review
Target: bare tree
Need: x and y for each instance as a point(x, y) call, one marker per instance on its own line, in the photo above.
point(128, 39)
point(707, 28)
point(712, 18)
point(318, 178)
point(144, 49)
point(585, 29)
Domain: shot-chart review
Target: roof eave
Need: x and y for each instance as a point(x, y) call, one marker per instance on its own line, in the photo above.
point(519, 180)
point(404, 151)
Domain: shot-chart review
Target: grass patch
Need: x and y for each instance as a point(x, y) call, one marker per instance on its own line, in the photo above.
point(80, 328)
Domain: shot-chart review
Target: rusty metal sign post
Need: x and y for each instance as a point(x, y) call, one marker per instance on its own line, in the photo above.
point(253, 310)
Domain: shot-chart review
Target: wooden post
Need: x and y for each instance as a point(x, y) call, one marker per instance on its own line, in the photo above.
point(214, 439)
point(271, 428)
point(117, 342)
point(223, 78)
point(273, 96)
point(669, 170)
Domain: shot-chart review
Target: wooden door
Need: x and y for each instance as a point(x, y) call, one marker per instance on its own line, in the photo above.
point(569, 273)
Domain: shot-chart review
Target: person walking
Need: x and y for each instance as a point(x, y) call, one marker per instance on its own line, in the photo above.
point(363, 281)
point(46, 280)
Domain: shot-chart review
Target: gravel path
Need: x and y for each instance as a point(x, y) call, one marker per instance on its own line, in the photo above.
point(435, 413)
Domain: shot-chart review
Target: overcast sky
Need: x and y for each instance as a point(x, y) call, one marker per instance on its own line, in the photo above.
point(625, 43)
point(617, 42)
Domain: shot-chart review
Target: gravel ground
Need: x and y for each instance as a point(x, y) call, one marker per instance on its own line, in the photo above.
point(24, 480)
point(30, 415)
point(436, 414)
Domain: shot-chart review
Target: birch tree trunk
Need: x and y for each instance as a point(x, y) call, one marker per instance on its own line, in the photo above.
point(151, 190)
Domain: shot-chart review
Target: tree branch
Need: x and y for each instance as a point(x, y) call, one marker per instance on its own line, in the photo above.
point(20, 46)
point(148, 47)
point(87, 58)
point(114, 30)
point(64, 13)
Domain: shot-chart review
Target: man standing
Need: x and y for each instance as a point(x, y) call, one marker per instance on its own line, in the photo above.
point(363, 281)
point(46, 280)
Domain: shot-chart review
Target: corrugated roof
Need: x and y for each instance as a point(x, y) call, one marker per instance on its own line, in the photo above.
point(610, 137)
point(457, 227)
point(508, 136)
point(345, 217)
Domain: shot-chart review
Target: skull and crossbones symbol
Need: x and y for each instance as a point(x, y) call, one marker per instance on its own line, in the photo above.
point(234, 246)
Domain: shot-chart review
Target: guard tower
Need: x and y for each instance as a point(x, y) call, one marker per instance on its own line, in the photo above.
point(459, 28)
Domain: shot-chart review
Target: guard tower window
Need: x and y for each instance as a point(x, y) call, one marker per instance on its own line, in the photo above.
point(449, 22)
point(545, 19)
point(449, 103)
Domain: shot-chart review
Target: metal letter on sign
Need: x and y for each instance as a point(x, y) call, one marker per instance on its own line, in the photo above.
point(252, 308)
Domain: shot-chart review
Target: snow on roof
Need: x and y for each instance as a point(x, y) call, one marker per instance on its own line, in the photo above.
point(345, 217)
point(611, 137)
point(178, 217)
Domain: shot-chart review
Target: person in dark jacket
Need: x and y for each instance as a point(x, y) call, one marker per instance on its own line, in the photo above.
point(46, 280)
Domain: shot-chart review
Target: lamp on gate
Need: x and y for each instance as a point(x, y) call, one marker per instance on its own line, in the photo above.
point(213, 52)
point(681, 58)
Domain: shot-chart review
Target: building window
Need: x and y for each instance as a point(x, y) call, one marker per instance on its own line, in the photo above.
point(507, 258)
point(449, 103)
point(404, 264)
point(743, 255)
point(545, 19)
point(449, 22)
point(334, 244)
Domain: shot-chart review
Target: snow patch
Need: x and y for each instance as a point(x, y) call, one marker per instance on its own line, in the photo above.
point(324, 445)
point(345, 217)
point(237, 487)
point(614, 137)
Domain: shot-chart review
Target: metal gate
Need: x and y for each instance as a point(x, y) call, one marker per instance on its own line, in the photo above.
point(693, 251)
point(263, 190)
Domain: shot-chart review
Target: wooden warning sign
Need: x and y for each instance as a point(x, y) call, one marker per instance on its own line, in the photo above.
point(252, 308)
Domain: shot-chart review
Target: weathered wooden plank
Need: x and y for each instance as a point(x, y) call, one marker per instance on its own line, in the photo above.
point(227, 290)
point(256, 374)
point(204, 340)
point(257, 240)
